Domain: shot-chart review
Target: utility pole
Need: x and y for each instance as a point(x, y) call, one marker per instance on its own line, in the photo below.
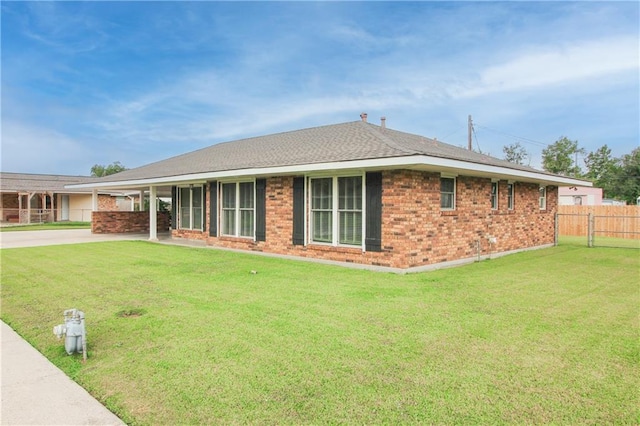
point(470, 129)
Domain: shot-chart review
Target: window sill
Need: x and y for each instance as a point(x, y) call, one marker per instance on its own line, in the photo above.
point(234, 238)
point(331, 247)
point(448, 213)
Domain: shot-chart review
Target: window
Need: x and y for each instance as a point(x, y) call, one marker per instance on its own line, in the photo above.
point(228, 209)
point(577, 200)
point(447, 193)
point(543, 198)
point(494, 195)
point(196, 207)
point(510, 196)
point(322, 209)
point(190, 214)
point(238, 204)
point(336, 210)
point(245, 205)
point(350, 210)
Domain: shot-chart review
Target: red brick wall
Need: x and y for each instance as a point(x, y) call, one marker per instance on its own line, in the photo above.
point(117, 222)
point(415, 231)
point(107, 203)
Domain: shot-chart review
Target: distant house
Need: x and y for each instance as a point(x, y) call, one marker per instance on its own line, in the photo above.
point(351, 192)
point(579, 196)
point(35, 198)
point(584, 196)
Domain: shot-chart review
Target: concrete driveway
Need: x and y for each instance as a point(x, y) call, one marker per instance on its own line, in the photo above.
point(17, 239)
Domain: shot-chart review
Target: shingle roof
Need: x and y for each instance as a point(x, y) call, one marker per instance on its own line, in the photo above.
point(350, 141)
point(25, 182)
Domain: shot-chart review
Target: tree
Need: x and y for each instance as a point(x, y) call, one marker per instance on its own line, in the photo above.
point(628, 177)
point(602, 170)
point(515, 153)
point(559, 157)
point(99, 170)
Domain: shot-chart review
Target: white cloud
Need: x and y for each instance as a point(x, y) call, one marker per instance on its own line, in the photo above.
point(26, 148)
point(550, 66)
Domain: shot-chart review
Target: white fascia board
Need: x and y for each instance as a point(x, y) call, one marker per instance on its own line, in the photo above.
point(414, 161)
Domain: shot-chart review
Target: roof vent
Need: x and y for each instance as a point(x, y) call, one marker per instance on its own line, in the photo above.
point(364, 117)
point(383, 122)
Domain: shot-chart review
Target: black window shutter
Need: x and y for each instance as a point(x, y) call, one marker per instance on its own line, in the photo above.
point(373, 235)
point(213, 209)
point(298, 211)
point(261, 210)
point(174, 206)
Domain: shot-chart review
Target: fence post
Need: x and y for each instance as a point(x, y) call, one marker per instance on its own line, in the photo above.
point(590, 230)
point(555, 229)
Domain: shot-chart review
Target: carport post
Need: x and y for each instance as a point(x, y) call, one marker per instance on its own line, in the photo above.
point(94, 200)
point(153, 214)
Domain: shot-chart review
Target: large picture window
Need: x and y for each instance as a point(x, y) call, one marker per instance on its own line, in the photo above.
point(191, 202)
point(447, 193)
point(336, 210)
point(238, 209)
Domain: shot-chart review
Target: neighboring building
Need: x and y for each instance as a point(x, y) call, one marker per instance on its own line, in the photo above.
point(579, 196)
point(352, 192)
point(35, 198)
point(585, 196)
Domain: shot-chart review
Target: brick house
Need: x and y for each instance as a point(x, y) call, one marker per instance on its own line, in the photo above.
point(353, 192)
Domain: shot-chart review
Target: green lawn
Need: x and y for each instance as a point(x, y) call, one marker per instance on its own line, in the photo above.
point(46, 226)
point(548, 336)
point(600, 241)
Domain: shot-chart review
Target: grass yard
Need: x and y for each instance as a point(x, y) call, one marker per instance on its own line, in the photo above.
point(46, 226)
point(600, 241)
point(180, 335)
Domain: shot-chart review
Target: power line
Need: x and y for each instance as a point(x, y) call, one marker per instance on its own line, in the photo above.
point(526, 140)
point(475, 135)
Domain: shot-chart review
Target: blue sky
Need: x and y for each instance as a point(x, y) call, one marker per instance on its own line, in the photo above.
point(87, 83)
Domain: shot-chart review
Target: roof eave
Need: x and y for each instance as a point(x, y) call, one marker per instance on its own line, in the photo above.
point(412, 161)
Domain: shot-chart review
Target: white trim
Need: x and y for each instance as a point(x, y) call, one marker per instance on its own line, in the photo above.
point(153, 214)
point(425, 162)
point(306, 207)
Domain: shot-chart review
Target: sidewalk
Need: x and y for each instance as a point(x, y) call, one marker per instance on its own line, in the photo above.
point(35, 392)
point(18, 239)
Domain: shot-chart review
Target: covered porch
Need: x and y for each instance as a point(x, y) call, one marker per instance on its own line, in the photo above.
point(27, 207)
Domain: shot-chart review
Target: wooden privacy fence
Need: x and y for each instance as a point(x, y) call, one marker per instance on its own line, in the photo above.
point(601, 221)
